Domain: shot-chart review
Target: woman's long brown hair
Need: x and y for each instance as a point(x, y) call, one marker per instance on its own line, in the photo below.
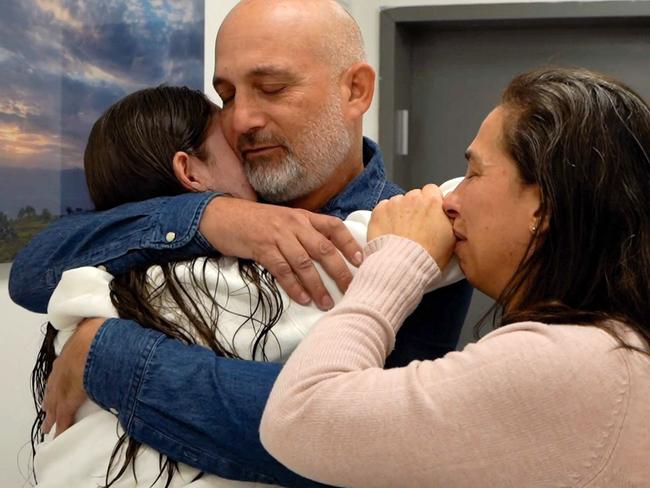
point(584, 140)
point(129, 158)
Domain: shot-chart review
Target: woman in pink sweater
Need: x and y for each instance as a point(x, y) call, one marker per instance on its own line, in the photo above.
point(553, 221)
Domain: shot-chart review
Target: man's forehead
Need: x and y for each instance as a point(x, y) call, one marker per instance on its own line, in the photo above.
point(286, 42)
point(267, 70)
point(270, 70)
point(266, 58)
point(258, 62)
point(257, 47)
point(247, 31)
point(278, 14)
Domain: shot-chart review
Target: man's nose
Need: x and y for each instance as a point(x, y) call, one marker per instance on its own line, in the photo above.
point(246, 116)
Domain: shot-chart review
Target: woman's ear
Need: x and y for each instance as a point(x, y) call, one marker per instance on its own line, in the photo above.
point(358, 85)
point(189, 171)
point(539, 224)
point(538, 221)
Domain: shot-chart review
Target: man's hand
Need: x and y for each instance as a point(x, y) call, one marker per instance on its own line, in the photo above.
point(285, 241)
point(64, 393)
point(418, 216)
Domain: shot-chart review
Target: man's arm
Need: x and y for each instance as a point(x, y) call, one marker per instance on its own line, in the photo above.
point(121, 238)
point(182, 400)
point(283, 240)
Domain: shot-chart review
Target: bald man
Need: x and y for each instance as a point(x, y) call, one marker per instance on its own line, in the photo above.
point(294, 83)
point(295, 86)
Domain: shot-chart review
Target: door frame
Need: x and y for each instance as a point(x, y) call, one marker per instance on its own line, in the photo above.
point(394, 65)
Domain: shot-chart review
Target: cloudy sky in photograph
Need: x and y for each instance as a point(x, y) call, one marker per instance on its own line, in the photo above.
point(63, 62)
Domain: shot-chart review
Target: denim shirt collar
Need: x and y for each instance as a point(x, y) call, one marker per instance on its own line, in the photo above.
point(364, 191)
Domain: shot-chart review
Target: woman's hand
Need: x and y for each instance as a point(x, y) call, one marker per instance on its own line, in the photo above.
point(64, 392)
point(418, 216)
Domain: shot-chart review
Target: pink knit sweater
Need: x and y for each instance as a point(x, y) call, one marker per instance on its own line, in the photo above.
point(529, 405)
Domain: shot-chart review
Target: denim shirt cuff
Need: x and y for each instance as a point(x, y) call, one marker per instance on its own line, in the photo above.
point(111, 380)
point(203, 246)
point(177, 223)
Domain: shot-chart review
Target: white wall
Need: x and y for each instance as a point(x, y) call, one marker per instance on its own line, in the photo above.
point(215, 12)
point(20, 342)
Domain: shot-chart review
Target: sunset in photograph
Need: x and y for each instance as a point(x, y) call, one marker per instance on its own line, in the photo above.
point(63, 63)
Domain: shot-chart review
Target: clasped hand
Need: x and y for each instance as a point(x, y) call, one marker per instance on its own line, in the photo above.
point(419, 216)
point(286, 242)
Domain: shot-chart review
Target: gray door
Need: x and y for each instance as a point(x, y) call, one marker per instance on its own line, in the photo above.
point(451, 75)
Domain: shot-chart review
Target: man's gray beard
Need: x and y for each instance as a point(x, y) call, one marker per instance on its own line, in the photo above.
point(321, 148)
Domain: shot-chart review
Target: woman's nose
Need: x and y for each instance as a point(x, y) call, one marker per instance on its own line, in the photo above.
point(450, 205)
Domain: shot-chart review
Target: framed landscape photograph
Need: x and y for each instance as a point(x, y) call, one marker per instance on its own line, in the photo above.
point(63, 62)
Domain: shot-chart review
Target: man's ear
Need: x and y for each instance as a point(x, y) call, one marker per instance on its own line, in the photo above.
point(358, 86)
point(188, 171)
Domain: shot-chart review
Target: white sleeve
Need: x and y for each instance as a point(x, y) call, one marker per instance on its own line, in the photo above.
point(81, 293)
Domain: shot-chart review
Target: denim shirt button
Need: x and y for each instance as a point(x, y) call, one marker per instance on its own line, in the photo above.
point(113, 411)
point(170, 236)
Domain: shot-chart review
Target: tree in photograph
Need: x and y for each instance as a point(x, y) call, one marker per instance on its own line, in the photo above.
point(26, 212)
point(7, 232)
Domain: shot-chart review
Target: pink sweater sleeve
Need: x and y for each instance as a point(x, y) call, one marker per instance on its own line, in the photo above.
point(507, 411)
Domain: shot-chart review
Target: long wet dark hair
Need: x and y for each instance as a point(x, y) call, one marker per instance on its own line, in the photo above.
point(129, 158)
point(584, 140)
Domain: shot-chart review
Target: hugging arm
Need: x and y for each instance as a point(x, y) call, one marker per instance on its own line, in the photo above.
point(120, 239)
point(186, 402)
point(283, 240)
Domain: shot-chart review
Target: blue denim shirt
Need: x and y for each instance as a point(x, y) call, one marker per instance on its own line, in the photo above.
point(185, 401)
